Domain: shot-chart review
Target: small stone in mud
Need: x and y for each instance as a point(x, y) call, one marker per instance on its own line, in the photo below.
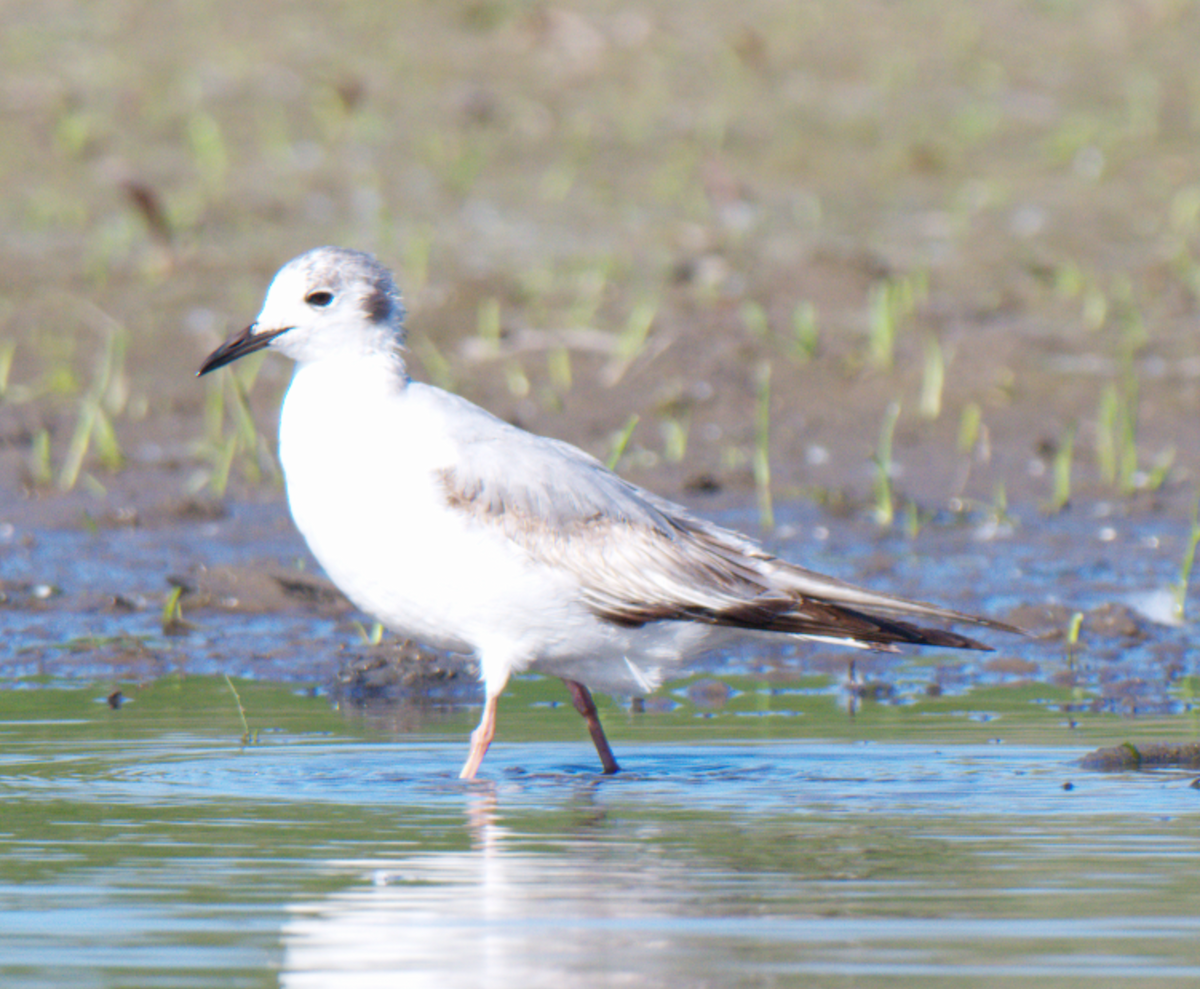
point(1151, 755)
point(125, 516)
point(709, 693)
point(11, 590)
point(178, 627)
point(1114, 620)
point(198, 510)
point(409, 672)
point(253, 590)
point(702, 484)
point(1042, 621)
point(1068, 785)
point(1011, 665)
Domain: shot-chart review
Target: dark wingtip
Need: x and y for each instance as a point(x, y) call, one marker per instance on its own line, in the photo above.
point(1003, 627)
point(950, 640)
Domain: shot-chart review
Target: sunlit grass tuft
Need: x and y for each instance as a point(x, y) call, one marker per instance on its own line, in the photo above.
point(487, 323)
point(516, 379)
point(558, 368)
point(1116, 442)
point(674, 431)
point(41, 471)
point(589, 282)
point(621, 441)
point(107, 396)
point(8, 350)
point(1094, 312)
point(754, 318)
point(637, 328)
point(1112, 430)
point(1063, 458)
point(970, 423)
point(933, 380)
point(1072, 638)
point(890, 305)
point(248, 737)
point(885, 507)
point(806, 334)
point(762, 449)
point(630, 342)
point(231, 436)
point(171, 611)
point(1180, 587)
point(915, 519)
point(171, 619)
point(999, 507)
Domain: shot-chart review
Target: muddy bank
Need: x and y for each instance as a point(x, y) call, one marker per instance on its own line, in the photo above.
point(125, 607)
point(986, 217)
point(1149, 755)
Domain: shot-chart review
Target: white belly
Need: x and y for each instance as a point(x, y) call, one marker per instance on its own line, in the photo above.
point(377, 521)
point(362, 471)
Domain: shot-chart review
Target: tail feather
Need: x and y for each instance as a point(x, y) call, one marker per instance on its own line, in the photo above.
point(812, 619)
point(860, 600)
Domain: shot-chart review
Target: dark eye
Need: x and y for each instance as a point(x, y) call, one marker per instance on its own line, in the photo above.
point(319, 300)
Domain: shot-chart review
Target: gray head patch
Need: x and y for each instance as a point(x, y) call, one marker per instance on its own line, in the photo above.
point(378, 304)
point(338, 269)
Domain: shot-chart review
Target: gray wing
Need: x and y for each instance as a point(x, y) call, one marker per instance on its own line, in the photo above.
point(639, 558)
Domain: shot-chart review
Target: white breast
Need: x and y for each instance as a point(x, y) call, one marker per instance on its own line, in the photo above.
point(361, 455)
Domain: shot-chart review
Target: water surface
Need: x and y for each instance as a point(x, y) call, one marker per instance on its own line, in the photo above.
point(779, 820)
point(184, 858)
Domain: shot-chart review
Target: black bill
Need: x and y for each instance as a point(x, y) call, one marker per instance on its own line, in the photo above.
point(246, 342)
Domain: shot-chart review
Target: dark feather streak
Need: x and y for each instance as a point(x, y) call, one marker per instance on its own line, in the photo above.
point(793, 616)
point(714, 566)
point(378, 305)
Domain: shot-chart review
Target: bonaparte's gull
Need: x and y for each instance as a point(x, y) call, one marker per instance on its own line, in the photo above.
point(466, 533)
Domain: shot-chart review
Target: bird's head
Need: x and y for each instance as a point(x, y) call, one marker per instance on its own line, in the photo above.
point(329, 301)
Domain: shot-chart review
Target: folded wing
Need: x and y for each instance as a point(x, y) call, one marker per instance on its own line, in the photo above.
point(638, 558)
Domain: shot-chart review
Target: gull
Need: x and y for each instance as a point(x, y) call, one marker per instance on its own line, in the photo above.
point(461, 531)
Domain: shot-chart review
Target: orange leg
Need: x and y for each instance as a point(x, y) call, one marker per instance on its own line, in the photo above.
point(481, 738)
point(587, 707)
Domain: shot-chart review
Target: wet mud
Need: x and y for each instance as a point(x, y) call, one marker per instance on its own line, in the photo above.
point(123, 607)
point(1161, 755)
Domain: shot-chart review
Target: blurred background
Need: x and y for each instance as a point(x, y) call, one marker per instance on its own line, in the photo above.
point(807, 245)
point(909, 289)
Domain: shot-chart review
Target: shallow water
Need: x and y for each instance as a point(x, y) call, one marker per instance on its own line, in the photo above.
point(184, 859)
point(774, 825)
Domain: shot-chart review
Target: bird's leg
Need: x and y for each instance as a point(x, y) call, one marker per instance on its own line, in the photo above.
point(587, 707)
point(481, 738)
